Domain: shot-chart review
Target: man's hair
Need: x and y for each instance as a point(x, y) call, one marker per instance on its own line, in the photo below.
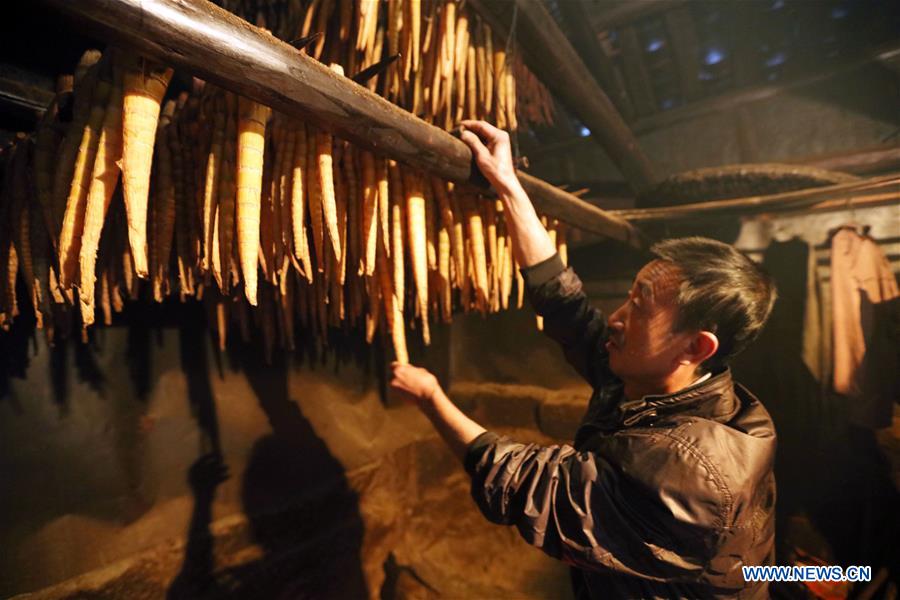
point(722, 291)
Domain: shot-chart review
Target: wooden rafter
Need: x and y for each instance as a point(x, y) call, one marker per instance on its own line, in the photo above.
point(576, 18)
point(880, 190)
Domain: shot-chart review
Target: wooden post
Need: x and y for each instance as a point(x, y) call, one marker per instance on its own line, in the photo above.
point(215, 45)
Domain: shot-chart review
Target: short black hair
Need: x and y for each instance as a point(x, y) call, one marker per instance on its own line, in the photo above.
point(723, 291)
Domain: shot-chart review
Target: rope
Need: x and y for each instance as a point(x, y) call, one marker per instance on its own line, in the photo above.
point(508, 64)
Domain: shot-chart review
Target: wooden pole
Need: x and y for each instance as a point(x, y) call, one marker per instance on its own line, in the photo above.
point(569, 210)
point(881, 189)
point(219, 47)
point(549, 54)
point(858, 161)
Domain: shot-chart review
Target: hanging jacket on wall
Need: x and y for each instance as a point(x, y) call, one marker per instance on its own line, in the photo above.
point(787, 367)
point(866, 358)
point(663, 497)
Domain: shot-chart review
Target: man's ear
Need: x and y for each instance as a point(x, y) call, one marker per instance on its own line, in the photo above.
point(703, 345)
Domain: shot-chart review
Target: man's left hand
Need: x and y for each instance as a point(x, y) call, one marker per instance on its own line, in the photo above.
point(414, 384)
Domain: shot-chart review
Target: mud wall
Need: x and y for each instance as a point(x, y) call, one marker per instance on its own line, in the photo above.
point(97, 440)
point(325, 486)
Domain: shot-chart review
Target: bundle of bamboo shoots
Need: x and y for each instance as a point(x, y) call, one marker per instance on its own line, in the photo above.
point(211, 196)
point(451, 65)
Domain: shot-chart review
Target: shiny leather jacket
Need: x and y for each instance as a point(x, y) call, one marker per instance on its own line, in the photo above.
point(665, 497)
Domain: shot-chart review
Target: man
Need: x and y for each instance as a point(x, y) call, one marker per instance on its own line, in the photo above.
point(668, 490)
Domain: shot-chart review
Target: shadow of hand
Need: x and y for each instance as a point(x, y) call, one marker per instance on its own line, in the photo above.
point(206, 474)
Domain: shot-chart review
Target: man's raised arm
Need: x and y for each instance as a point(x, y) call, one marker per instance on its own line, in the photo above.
point(530, 241)
point(555, 293)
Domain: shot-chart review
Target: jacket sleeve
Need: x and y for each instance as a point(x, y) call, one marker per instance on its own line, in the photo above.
point(556, 293)
point(591, 512)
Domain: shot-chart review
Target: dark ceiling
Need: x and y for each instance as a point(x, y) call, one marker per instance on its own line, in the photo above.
point(660, 56)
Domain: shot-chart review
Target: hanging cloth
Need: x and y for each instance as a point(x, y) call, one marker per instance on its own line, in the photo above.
point(865, 328)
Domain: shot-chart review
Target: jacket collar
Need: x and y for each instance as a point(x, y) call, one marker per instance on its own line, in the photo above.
point(712, 399)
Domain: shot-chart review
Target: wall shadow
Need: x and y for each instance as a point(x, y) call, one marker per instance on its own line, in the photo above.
point(301, 509)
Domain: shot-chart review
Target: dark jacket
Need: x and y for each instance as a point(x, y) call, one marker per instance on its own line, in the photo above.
point(665, 497)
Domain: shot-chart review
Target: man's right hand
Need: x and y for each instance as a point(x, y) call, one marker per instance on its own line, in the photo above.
point(493, 154)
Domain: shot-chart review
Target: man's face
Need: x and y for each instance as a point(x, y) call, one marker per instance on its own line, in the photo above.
point(642, 344)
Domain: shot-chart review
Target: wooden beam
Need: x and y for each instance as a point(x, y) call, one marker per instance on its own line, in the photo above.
point(562, 205)
point(575, 14)
point(219, 47)
point(639, 86)
point(877, 159)
point(858, 161)
point(732, 101)
point(555, 62)
point(25, 89)
point(216, 45)
point(884, 189)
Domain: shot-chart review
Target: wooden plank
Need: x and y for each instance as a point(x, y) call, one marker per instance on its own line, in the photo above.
point(639, 87)
point(25, 89)
point(216, 45)
point(575, 14)
point(555, 62)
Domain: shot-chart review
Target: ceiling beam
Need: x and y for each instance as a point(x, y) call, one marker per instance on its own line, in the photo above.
point(25, 89)
point(860, 161)
point(730, 101)
point(575, 15)
point(885, 189)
